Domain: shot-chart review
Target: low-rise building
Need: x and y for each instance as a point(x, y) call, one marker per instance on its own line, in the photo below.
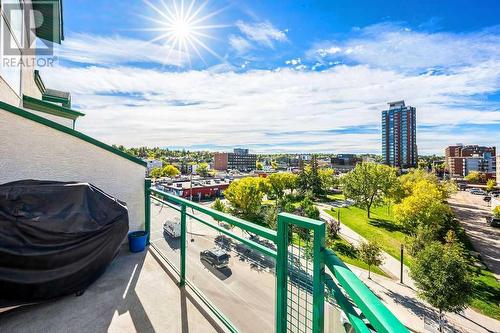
point(345, 161)
point(239, 160)
point(498, 170)
point(151, 164)
point(199, 189)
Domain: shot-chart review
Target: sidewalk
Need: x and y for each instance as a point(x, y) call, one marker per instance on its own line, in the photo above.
point(401, 299)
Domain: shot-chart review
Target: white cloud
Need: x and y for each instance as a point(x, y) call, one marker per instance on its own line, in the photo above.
point(134, 106)
point(240, 44)
point(395, 47)
point(113, 50)
point(293, 62)
point(263, 33)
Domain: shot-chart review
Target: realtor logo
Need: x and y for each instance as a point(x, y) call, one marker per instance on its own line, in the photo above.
point(24, 21)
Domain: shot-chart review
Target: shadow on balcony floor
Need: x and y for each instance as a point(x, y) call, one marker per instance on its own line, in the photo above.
point(135, 294)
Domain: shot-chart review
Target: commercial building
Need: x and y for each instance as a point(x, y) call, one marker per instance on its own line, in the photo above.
point(399, 142)
point(461, 159)
point(239, 160)
point(345, 162)
point(200, 189)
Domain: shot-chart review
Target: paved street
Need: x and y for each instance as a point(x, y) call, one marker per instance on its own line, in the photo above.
point(471, 210)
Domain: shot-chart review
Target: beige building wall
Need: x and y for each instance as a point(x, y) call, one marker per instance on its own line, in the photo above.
point(29, 150)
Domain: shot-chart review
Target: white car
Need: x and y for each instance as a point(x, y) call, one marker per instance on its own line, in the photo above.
point(173, 227)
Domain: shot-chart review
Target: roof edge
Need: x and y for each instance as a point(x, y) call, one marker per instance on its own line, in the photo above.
point(61, 128)
point(50, 108)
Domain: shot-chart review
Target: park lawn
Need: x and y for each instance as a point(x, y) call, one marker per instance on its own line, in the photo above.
point(335, 197)
point(379, 228)
point(346, 252)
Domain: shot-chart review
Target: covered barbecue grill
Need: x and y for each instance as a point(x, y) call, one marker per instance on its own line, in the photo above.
point(56, 238)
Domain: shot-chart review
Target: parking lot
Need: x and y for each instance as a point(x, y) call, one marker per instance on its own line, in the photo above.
point(472, 211)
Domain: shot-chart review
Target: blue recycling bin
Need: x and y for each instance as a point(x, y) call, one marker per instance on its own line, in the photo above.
point(137, 241)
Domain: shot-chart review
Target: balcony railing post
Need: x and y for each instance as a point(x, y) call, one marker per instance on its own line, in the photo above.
point(319, 279)
point(183, 246)
point(147, 207)
point(281, 275)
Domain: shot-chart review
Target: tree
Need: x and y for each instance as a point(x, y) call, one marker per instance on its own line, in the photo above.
point(279, 183)
point(309, 178)
point(219, 206)
point(490, 185)
point(424, 208)
point(368, 184)
point(245, 196)
point(371, 254)
point(274, 165)
point(327, 178)
point(475, 177)
point(442, 276)
point(156, 173)
point(496, 212)
point(259, 166)
point(203, 170)
point(170, 171)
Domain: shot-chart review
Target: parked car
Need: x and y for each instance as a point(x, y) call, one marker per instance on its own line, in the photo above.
point(477, 191)
point(173, 227)
point(216, 257)
point(493, 222)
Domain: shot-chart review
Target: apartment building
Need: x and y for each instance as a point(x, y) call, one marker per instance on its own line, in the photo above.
point(461, 159)
point(399, 145)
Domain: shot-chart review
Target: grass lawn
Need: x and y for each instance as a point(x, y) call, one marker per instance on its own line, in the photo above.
point(346, 252)
point(380, 227)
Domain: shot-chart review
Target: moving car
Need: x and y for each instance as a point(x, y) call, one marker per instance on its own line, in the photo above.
point(477, 191)
point(216, 257)
point(493, 222)
point(173, 227)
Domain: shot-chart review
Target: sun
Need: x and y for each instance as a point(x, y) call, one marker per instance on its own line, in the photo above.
point(184, 28)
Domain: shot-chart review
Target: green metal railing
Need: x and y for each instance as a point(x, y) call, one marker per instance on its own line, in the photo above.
point(301, 280)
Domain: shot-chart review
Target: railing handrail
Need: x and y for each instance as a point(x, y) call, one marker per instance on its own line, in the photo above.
point(219, 216)
point(372, 308)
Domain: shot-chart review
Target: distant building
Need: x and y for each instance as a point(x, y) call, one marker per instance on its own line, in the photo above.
point(498, 170)
point(239, 160)
point(151, 164)
point(200, 189)
point(461, 159)
point(399, 143)
point(345, 161)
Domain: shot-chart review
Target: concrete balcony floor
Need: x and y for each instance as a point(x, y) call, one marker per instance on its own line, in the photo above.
point(135, 294)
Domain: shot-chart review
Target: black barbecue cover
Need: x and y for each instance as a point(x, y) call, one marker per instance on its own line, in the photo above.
point(56, 238)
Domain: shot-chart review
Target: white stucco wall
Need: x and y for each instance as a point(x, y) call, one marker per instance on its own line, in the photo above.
point(29, 150)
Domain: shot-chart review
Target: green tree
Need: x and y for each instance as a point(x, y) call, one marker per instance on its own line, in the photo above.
point(424, 208)
point(245, 196)
point(202, 169)
point(259, 165)
point(170, 171)
point(496, 212)
point(490, 185)
point(279, 183)
point(371, 254)
point(309, 178)
point(274, 165)
point(442, 276)
point(475, 177)
point(328, 179)
point(368, 184)
point(219, 206)
point(156, 173)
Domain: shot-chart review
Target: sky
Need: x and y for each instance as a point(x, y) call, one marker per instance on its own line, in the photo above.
point(280, 76)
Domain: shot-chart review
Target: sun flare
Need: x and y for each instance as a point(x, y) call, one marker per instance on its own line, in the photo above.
point(183, 28)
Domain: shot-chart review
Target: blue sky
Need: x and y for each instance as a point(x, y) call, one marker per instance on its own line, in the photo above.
point(281, 76)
